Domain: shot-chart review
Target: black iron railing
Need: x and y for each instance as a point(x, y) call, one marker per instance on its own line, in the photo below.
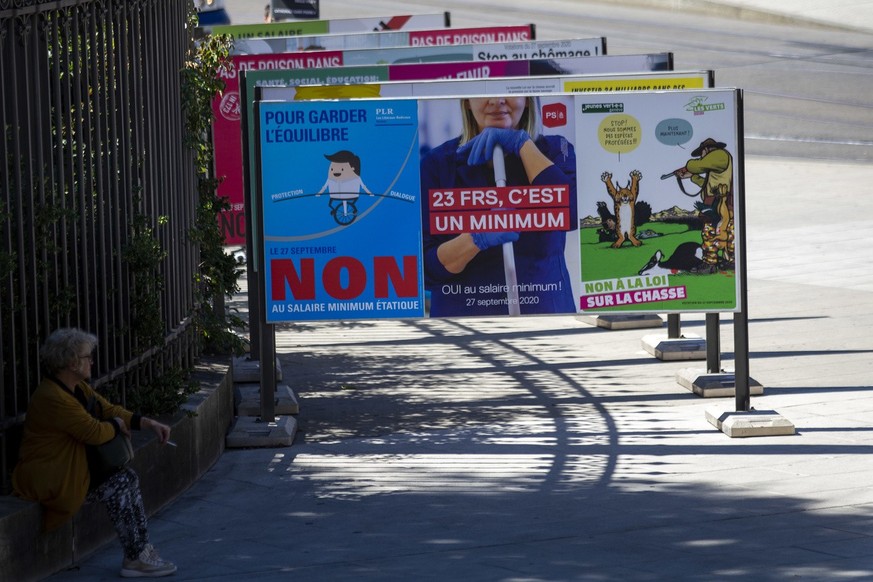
point(91, 163)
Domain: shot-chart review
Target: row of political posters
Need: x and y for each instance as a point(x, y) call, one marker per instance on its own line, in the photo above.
point(395, 207)
point(520, 190)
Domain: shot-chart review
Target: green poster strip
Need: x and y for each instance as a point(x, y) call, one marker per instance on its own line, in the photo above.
point(273, 29)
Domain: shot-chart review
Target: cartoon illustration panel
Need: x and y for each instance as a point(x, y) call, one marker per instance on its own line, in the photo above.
point(658, 201)
point(341, 210)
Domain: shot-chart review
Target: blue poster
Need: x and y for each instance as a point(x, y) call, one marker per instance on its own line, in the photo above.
point(342, 210)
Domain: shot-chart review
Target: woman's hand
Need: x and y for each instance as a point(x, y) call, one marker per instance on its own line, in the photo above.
point(481, 147)
point(161, 430)
point(119, 422)
point(486, 240)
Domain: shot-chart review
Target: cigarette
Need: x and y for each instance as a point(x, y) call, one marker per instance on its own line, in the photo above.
point(172, 444)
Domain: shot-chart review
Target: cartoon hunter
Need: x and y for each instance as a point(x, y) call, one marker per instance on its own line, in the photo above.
point(344, 185)
point(711, 168)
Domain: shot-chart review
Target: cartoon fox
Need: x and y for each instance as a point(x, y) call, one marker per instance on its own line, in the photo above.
point(625, 201)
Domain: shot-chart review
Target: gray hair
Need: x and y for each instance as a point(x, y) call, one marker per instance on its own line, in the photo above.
point(63, 346)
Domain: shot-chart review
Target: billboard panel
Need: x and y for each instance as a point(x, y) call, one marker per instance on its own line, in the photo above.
point(342, 232)
point(658, 201)
point(542, 232)
point(342, 25)
point(383, 39)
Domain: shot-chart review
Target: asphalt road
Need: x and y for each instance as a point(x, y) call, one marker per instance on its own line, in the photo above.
point(806, 88)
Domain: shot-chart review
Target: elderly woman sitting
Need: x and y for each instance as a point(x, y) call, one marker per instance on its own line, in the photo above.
point(53, 464)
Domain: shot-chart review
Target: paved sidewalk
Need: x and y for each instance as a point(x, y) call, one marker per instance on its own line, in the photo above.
point(544, 449)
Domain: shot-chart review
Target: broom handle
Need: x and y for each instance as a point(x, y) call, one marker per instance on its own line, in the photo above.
point(508, 250)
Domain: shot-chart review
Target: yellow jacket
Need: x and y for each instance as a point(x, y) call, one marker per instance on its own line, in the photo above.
point(711, 171)
point(52, 466)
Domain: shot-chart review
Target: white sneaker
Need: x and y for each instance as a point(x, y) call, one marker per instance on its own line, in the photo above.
point(148, 565)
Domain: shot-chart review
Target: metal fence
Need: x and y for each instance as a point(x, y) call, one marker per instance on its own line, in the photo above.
point(91, 165)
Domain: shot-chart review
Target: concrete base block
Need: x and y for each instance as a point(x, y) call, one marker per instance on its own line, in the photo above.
point(687, 347)
point(749, 423)
point(250, 400)
point(709, 385)
point(249, 432)
point(620, 321)
point(244, 369)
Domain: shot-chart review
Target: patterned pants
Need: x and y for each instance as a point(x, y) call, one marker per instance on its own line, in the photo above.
point(123, 500)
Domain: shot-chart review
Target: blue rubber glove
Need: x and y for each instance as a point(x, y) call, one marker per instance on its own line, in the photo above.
point(481, 147)
point(486, 240)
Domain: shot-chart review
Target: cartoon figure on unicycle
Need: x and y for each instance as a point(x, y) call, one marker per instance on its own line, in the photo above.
point(344, 185)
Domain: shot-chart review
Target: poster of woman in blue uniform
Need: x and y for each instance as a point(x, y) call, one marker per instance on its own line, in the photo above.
point(498, 180)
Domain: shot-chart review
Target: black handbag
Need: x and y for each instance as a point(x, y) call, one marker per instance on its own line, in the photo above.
point(106, 459)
